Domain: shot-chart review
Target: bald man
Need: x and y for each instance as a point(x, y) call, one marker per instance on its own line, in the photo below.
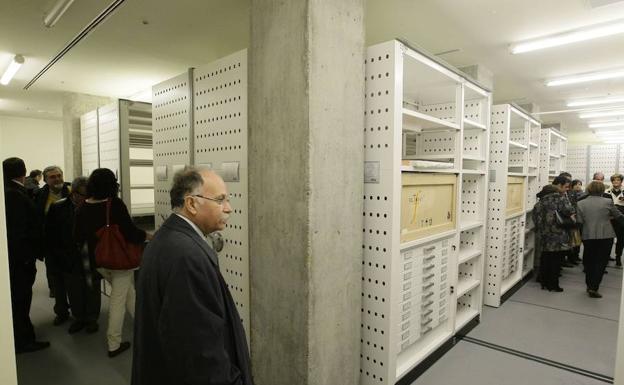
point(188, 330)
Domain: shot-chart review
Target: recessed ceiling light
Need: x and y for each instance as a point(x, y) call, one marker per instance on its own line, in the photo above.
point(574, 36)
point(596, 101)
point(606, 124)
point(588, 77)
point(12, 69)
point(603, 114)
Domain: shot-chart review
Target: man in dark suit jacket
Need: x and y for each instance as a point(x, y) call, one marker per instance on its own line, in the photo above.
point(187, 328)
point(23, 238)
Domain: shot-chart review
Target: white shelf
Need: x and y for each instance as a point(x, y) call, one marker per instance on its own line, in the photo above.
point(516, 174)
point(526, 272)
point(509, 283)
point(469, 225)
point(474, 172)
point(473, 157)
point(416, 122)
point(517, 145)
point(562, 155)
point(514, 215)
point(141, 187)
point(554, 156)
point(467, 255)
point(464, 286)
point(471, 124)
point(430, 157)
point(463, 317)
point(515, 164)
point(417, 242)
point(411, 357)
point(531, 144)
point(529, 251)
point(433, 170)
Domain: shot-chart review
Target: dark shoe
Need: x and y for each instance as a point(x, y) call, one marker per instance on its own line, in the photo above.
point(75, 327)
point(594, 294)
point(33, 347)
point(60, 319)
point(122, 348)
point(611, 259)
point(92, 327)
point(556, 289)
point(567, 264)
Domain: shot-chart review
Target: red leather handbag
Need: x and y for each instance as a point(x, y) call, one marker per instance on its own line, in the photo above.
point(112, 251)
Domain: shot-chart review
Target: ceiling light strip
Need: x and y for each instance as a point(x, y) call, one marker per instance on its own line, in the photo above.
point(584, 78)
point(81, 35)
point(604, 114)
point(574, 36)
point(596, 101)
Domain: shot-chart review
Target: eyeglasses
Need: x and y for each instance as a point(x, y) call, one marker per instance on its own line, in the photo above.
point(219, 201)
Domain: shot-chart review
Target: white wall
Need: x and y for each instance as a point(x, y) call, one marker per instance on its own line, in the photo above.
point(38, 141)
point(8, 372)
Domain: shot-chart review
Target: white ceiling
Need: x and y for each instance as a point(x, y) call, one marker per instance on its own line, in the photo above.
point(125, 56)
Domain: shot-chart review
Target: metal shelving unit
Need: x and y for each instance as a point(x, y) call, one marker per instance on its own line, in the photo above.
point(426, 154)
point(118, 136)
point(513, 183)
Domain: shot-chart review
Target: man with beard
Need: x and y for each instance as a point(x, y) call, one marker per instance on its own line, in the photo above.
point(54, 190)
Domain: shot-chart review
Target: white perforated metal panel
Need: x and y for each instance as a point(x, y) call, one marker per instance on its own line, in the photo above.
point(220, 136)
point(172, 137)
point(381, 264)
point(89, 142)
point(603, 158)
point(110, 151)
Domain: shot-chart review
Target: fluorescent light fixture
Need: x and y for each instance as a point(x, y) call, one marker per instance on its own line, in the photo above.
point(606, 124)
point(15, 65)
point(596, 101)
point(583, 78)
point(56, 12)
point(574, 36)
point(603, 114)
point(610, 133)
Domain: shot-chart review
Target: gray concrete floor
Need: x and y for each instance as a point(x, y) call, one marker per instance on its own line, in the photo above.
point(72, 359)
point(567, 327)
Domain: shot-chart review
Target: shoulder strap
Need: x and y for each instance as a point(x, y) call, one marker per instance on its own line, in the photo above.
point(108, 209)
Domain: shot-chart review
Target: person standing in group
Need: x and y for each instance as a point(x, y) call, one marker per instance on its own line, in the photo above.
point(91, 217)
point(595, 213)
point(575, 194)
point(616, 194)
point(187, 329)
point(84, 300)
point(32, 182)
point(55, 188)
point(563, 182)
point(554, 239)
point(23, 238)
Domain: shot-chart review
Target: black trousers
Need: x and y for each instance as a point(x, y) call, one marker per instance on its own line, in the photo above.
point(619, 245)
point(84, 296)
point(549, 267)
point(22, 280)
point(596, 257)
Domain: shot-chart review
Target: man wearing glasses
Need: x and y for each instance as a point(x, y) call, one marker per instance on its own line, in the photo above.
point(187, 328)
point(71, 282)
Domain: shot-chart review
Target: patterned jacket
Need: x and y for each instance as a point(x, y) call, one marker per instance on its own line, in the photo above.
point(551, 236)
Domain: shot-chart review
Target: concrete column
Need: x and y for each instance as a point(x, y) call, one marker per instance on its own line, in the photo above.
point(306, 184)
point(74, 106)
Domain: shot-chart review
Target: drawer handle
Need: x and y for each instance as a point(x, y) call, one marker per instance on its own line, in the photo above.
point(426, 305)
point(426, 322)
point(427, 313)
point(424, 297)
point(428, 249)
point(427, 330)
point(427, 268)
point(430, 276)
point(427, 286)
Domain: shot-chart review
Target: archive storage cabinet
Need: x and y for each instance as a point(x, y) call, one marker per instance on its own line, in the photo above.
point(513, 183)
point(200, 118)
point(426, 153)
point(553, 154)
point(118, 136)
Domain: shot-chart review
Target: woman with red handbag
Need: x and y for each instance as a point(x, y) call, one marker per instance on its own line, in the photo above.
point(114, 245)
